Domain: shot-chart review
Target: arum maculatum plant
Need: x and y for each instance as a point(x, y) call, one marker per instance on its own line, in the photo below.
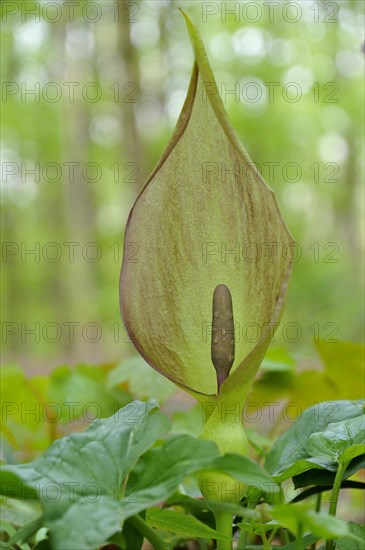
point(203, 226)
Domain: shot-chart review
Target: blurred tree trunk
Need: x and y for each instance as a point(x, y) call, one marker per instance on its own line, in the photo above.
point(348, 207)
point(54, 211)
point(79, 205)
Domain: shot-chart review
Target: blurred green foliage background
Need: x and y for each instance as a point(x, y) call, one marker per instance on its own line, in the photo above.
point(90, 96)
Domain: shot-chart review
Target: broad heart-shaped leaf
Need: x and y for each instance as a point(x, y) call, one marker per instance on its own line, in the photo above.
point(341, 441)
point(79, 479)
point(289, 455)
point(159, 473)
point(205, 217)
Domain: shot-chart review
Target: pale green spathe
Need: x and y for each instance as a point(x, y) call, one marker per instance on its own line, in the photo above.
point(204, 200)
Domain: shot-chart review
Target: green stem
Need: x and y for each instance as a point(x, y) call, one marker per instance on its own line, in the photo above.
point(150, 534)
point(342, 466)
point(251, 505)
point(318, 502)
point(267, 545)
point(223, 524)
point(298, 542)
point(317, 509)
point(284, 534)
point(272, 535)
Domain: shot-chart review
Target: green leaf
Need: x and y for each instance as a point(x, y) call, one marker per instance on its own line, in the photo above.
point(301, 466)
point(246, 471)
point(344, 367)
point(289, 455)
point(320, 488)
point(188, 422)
point(340, 441)
point(193, 506)
point(278, 360)
point(352, 452)
point(271, 386)
point(181, 524)
point(133, 538)
point(301, 544)
point(347, 543)
point(81, 393)
point(41, 535)
point(26, 532)
point(325, 525)
point(138, 378)
point(298, 518)
point(161, 470)
point(259, 528)
point(23, 423)
point(259, 441)
point(44, 544)
point(17, 512)
point(326, 477)
point(179, 231)
point(128, 538)
point(14, 486)
point(308, 387)
point(15, 537)
point(80, 478)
